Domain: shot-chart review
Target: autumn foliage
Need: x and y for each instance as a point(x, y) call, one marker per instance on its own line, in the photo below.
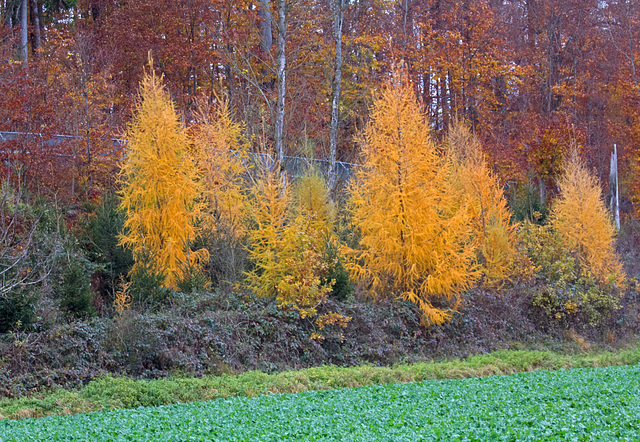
point(160, 188)
point(269, 212)
point(584, 224)
point(493, 231)
point(288, 241)
point(416, 236)
point(221, 154)
point(490, 93)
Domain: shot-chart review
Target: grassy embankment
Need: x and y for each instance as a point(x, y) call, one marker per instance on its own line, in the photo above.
point(114, 393)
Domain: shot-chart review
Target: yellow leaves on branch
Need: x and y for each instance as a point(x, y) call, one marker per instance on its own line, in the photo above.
point(123, 299)
point(159, 188)
point(416, 234)
point(270, 200)
point(495, 235)
point(288, 240)
point(584, 224)
point(220, 148)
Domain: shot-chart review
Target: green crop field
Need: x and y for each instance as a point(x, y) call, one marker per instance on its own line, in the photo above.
point(577, 404)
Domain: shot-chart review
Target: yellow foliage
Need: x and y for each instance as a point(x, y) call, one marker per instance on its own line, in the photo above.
point(416, 236)
point(288, 241)
point(311, 201)
point(123, 299)
point(584, 224)
point(493, 231)
point(159, 188)
point(311, 226)
point(219, 149)
point(266, 238)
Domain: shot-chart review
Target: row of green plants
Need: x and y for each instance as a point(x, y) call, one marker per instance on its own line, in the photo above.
point(579, 404)
point(420, 222)
point(114, 393)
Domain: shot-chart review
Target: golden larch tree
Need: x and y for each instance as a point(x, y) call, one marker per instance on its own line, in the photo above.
point(310, 228)
point(415, 235)
point(494, 233)
point(160, 188)
point(288, 240)
point(580, 217)
point(220, 149)
point(269, 212)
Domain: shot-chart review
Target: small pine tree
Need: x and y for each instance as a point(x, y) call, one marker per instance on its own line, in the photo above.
point(416, 237)
point(495, 235)
point(75, 291)
point(159, 188)
point(584, 224)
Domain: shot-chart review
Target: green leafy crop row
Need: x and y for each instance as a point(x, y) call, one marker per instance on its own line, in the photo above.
point(576, 404)
point(111, 393)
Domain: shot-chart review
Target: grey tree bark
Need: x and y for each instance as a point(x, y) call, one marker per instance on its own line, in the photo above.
point(280, 79)
point(337, 7)
point(24, 32)
point(36, 39)
point(266, 38)
point(613, 185)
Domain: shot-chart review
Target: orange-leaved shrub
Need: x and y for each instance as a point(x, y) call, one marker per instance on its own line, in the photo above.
point(416, 238)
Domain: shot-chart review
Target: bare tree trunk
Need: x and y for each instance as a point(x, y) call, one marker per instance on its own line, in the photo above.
point(24, 32)
point(280, 79)
point(338, 16)
point(8, 11)
point(613, 184)
point(264, 13)
point(36, 41)
point(40, 12)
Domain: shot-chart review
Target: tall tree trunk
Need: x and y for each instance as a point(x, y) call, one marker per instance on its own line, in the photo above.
point(280, 79)
point(266, 39)
point(227, 67)
point(613, 185)
point(36, 41)
point(338, 16)
point(24, 32)
point(8, 12)
point(40, 12)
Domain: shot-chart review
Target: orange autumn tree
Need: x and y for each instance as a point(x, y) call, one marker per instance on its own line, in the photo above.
point(159, 189)
point(220, 150)
point(495, 235)
point(584, 224)
point(415, 236)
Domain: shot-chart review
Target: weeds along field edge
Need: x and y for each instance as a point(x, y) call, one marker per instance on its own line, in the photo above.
point(575, 404)
point(109, 393)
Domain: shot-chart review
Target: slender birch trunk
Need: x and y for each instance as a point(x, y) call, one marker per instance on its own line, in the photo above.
point(280, 80)
point(338, 16)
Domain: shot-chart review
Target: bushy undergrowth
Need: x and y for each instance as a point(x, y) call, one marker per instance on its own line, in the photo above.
point(215, 333)
point(564, 292)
